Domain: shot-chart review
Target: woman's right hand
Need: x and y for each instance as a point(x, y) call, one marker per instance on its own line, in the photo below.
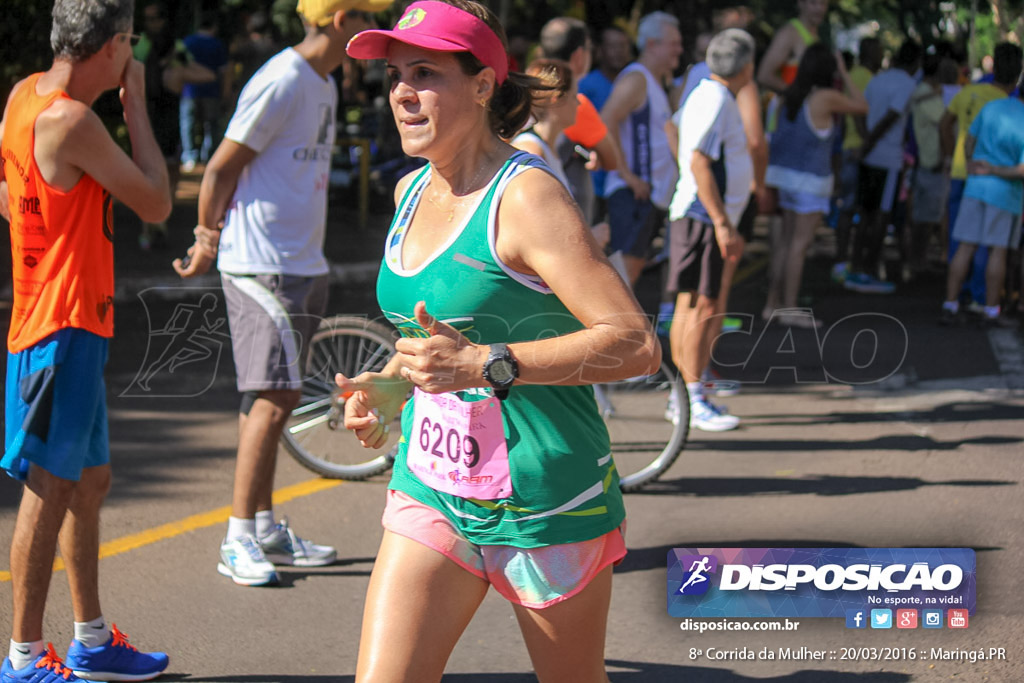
point(374, 400)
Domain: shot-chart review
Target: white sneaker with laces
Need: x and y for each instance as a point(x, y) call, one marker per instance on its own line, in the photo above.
point(672, 409)
point(706, 417)
point(242, 559)
point(284, 546)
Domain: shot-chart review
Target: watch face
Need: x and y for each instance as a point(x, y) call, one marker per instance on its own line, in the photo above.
point(501, 371)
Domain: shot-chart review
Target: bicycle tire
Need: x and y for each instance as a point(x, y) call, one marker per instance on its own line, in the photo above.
point(636, 411)
point(315, 434)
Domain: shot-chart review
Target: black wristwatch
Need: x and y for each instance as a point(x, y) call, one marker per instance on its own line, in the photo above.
point(501, 370)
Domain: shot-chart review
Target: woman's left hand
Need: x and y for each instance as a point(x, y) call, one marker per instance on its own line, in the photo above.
point(444, 361)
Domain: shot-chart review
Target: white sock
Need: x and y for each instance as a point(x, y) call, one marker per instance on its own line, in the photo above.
point(264, 523)
point(951, 306)
point(23, 654)
point(240, 527)
point(92, 633)
point(696, 391)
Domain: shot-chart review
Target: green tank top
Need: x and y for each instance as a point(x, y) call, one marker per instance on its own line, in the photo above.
point(565, 486)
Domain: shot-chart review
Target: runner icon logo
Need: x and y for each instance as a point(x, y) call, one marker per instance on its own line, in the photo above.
point(695, 580)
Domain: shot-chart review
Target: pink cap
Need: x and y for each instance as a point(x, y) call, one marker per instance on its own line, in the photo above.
point(436, 26)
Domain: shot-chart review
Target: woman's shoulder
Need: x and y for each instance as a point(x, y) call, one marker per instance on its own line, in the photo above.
point(405, 182)
point(531, 186)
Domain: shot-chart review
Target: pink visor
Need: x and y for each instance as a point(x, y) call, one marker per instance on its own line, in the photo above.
point(437, 26)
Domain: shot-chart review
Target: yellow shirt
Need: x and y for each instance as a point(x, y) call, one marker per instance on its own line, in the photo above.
point(965, 106)
point(860, 76)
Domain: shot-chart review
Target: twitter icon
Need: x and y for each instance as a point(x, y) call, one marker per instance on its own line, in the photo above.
point(881, 618)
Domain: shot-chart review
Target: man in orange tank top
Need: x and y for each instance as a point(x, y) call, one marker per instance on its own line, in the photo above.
point(60, 170)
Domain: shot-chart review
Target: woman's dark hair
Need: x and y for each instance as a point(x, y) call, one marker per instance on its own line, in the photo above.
point(817, 70)
point(512, 102)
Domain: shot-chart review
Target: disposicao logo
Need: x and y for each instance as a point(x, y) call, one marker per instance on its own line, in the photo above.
point(817, 582)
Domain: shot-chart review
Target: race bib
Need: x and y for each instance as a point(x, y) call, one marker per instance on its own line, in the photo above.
point(458, 447)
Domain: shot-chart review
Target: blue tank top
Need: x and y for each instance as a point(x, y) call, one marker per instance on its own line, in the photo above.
point(801, 155)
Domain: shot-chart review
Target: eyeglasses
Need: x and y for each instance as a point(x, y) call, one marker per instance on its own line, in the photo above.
point(133, 38)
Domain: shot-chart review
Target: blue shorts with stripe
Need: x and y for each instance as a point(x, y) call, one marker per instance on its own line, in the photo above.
point(56, 406)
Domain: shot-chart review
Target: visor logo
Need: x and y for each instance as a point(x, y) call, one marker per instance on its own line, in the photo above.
point(412, 18)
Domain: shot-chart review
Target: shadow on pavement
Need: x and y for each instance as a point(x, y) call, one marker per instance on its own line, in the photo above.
point(643, 559)
point(901, 442)
point(642, 673)
point(965, 411)
point(819, 485)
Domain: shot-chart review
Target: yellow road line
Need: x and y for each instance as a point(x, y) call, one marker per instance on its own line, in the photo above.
point(749, 270)
point(200, 521)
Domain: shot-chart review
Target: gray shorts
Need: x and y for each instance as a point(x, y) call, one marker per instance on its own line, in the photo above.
point(272, 320)
point(931, 193)
point(985, 224)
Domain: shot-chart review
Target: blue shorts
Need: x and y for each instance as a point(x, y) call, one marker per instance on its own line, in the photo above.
point(633, 222)
point(56, 406)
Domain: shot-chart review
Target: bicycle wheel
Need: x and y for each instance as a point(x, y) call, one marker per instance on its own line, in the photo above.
point(315, 434)
point(648, 420)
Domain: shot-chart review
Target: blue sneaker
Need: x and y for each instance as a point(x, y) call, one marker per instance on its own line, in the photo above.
point(865, 284)
point(118, 660)
point(47, 668)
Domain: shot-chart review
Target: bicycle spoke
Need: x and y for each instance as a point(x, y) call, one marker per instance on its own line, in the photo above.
point(315, 405)
point(309, 424)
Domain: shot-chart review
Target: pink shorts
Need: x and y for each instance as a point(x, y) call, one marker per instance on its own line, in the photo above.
point(531, 577)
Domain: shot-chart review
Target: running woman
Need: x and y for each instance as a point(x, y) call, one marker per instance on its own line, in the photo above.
point(508, 309)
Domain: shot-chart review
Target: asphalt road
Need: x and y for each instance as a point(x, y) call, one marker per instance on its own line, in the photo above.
point(915, 443)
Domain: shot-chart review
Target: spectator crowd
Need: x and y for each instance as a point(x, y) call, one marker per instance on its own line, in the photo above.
point(672, 153)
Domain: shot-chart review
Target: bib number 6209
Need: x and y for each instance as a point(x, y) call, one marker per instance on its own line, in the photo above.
point(448, 443)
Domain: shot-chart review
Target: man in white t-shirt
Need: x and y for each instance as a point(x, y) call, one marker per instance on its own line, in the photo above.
point(888, 95)
point(267, 184)
point(715, 173)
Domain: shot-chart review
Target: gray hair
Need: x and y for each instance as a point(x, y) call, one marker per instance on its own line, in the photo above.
point(729, 52)
point(652, 27)
point(82, 27)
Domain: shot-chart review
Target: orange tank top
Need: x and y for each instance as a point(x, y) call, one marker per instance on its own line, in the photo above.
point(61, 242)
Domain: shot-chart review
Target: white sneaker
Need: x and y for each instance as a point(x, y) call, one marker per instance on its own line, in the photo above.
point(242, 559)
point(672, 409)
point(283, 546)
point(704, 416)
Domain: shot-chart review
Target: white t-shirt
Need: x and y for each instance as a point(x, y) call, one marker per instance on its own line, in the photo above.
point(888, 91)
point(694, 75)
point(710, 122)
point(276, 220)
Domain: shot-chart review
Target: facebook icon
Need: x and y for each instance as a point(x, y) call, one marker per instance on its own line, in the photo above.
point(856, 618)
